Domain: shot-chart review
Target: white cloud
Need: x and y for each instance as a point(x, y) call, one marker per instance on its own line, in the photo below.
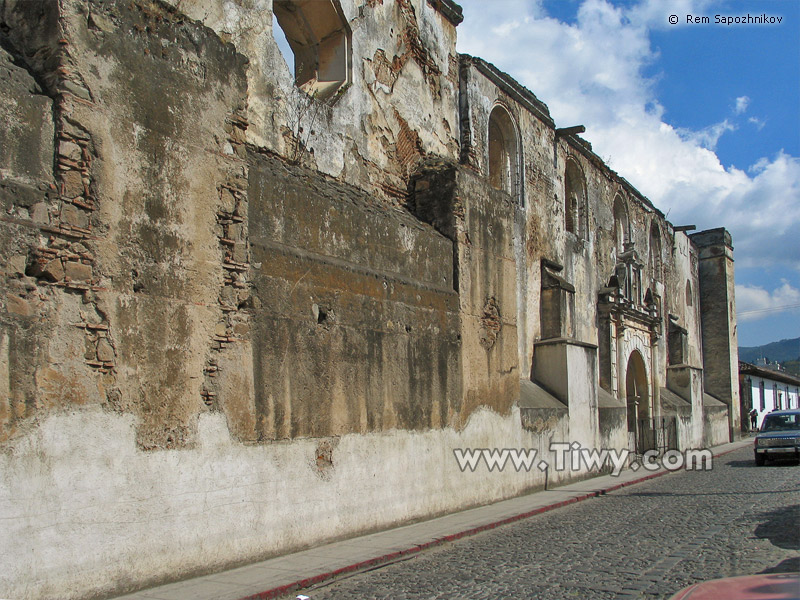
point(707, 137)
point(590, 72)
point(742, 102)
point(757, 122)
point(754, 303)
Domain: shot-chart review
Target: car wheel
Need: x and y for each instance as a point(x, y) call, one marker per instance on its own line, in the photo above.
point(760, 460)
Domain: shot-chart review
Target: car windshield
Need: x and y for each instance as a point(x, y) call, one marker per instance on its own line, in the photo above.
point(781, 422)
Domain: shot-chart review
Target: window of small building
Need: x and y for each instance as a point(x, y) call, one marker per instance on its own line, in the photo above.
point(763, 396)
point(504, 153)
point(318, 40)
point(575, 202)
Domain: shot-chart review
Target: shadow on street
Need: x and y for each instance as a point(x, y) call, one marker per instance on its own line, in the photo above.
point(751, 464)
point(780, 527)
point(790, 565)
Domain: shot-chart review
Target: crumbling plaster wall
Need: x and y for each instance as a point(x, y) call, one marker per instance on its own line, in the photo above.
point(357, 320)
point(400, 107)
point(588, 263)
point(145, 248)
point(188, 286)
point(479, 221)
point(122, 255)
point(684, 270)
point(535, 198)
point(718, 319)
point(26, 183)
point(130, 359)
point(487, 279)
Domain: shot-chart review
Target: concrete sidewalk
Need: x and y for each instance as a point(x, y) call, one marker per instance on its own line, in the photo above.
point(283, 575)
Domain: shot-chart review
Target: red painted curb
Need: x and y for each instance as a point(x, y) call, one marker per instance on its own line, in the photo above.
point(385, 558)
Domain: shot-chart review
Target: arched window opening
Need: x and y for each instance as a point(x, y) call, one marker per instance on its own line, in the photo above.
point(318, 39)
point(655, 252)
point(621, 227)
point(283, 43)
point(571, 212)
point(499, 160)
point(575, 202)
point(504, 153)
point(689, 300)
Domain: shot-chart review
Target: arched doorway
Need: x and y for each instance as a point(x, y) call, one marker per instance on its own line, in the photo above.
point(638, 397)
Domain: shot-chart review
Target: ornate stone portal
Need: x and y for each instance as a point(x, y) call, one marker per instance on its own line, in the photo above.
point(629, 330)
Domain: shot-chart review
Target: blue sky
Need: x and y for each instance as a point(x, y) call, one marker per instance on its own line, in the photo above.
point(703, 119)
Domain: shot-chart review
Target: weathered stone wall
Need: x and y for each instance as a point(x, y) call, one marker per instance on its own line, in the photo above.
point(585, 259)
point(613, 426)
point(190, 295)
point(715, 423)
point(127, 255)
point(357, 326)
point(612, 417)
point(124, 518)
point(481, 91)
point(487, 277)
point(236, 320)
point(480, 221)
point(718, 318)
point(683, 295)
point(400, 106)
point(120, 259)
point(26, 184)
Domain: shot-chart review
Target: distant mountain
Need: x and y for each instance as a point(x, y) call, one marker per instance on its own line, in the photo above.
point(792, 367)
point(776, 351)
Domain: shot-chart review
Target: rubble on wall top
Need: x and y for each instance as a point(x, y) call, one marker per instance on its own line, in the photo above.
point(512, 87)
point(585, 149)
point(529, 101)
point(449, 9)
point(712, 237)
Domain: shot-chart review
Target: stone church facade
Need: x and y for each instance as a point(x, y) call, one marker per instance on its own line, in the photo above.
point(247, 308)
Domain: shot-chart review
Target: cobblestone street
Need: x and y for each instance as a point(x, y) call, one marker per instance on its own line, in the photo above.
point(645, 541)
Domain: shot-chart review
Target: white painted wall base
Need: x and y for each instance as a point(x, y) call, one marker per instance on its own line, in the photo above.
point(83, 511)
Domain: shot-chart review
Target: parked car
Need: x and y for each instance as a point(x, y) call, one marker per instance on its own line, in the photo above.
point(779, 436)
point(778, 586)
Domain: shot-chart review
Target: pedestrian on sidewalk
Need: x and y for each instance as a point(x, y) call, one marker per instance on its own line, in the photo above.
point(753, 419)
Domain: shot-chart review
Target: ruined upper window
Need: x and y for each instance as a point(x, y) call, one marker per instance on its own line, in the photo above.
point(319, 39)
point(621, 228)
point(503, 153)
point(575, 201)
point(655, 251)
point(689, 301)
